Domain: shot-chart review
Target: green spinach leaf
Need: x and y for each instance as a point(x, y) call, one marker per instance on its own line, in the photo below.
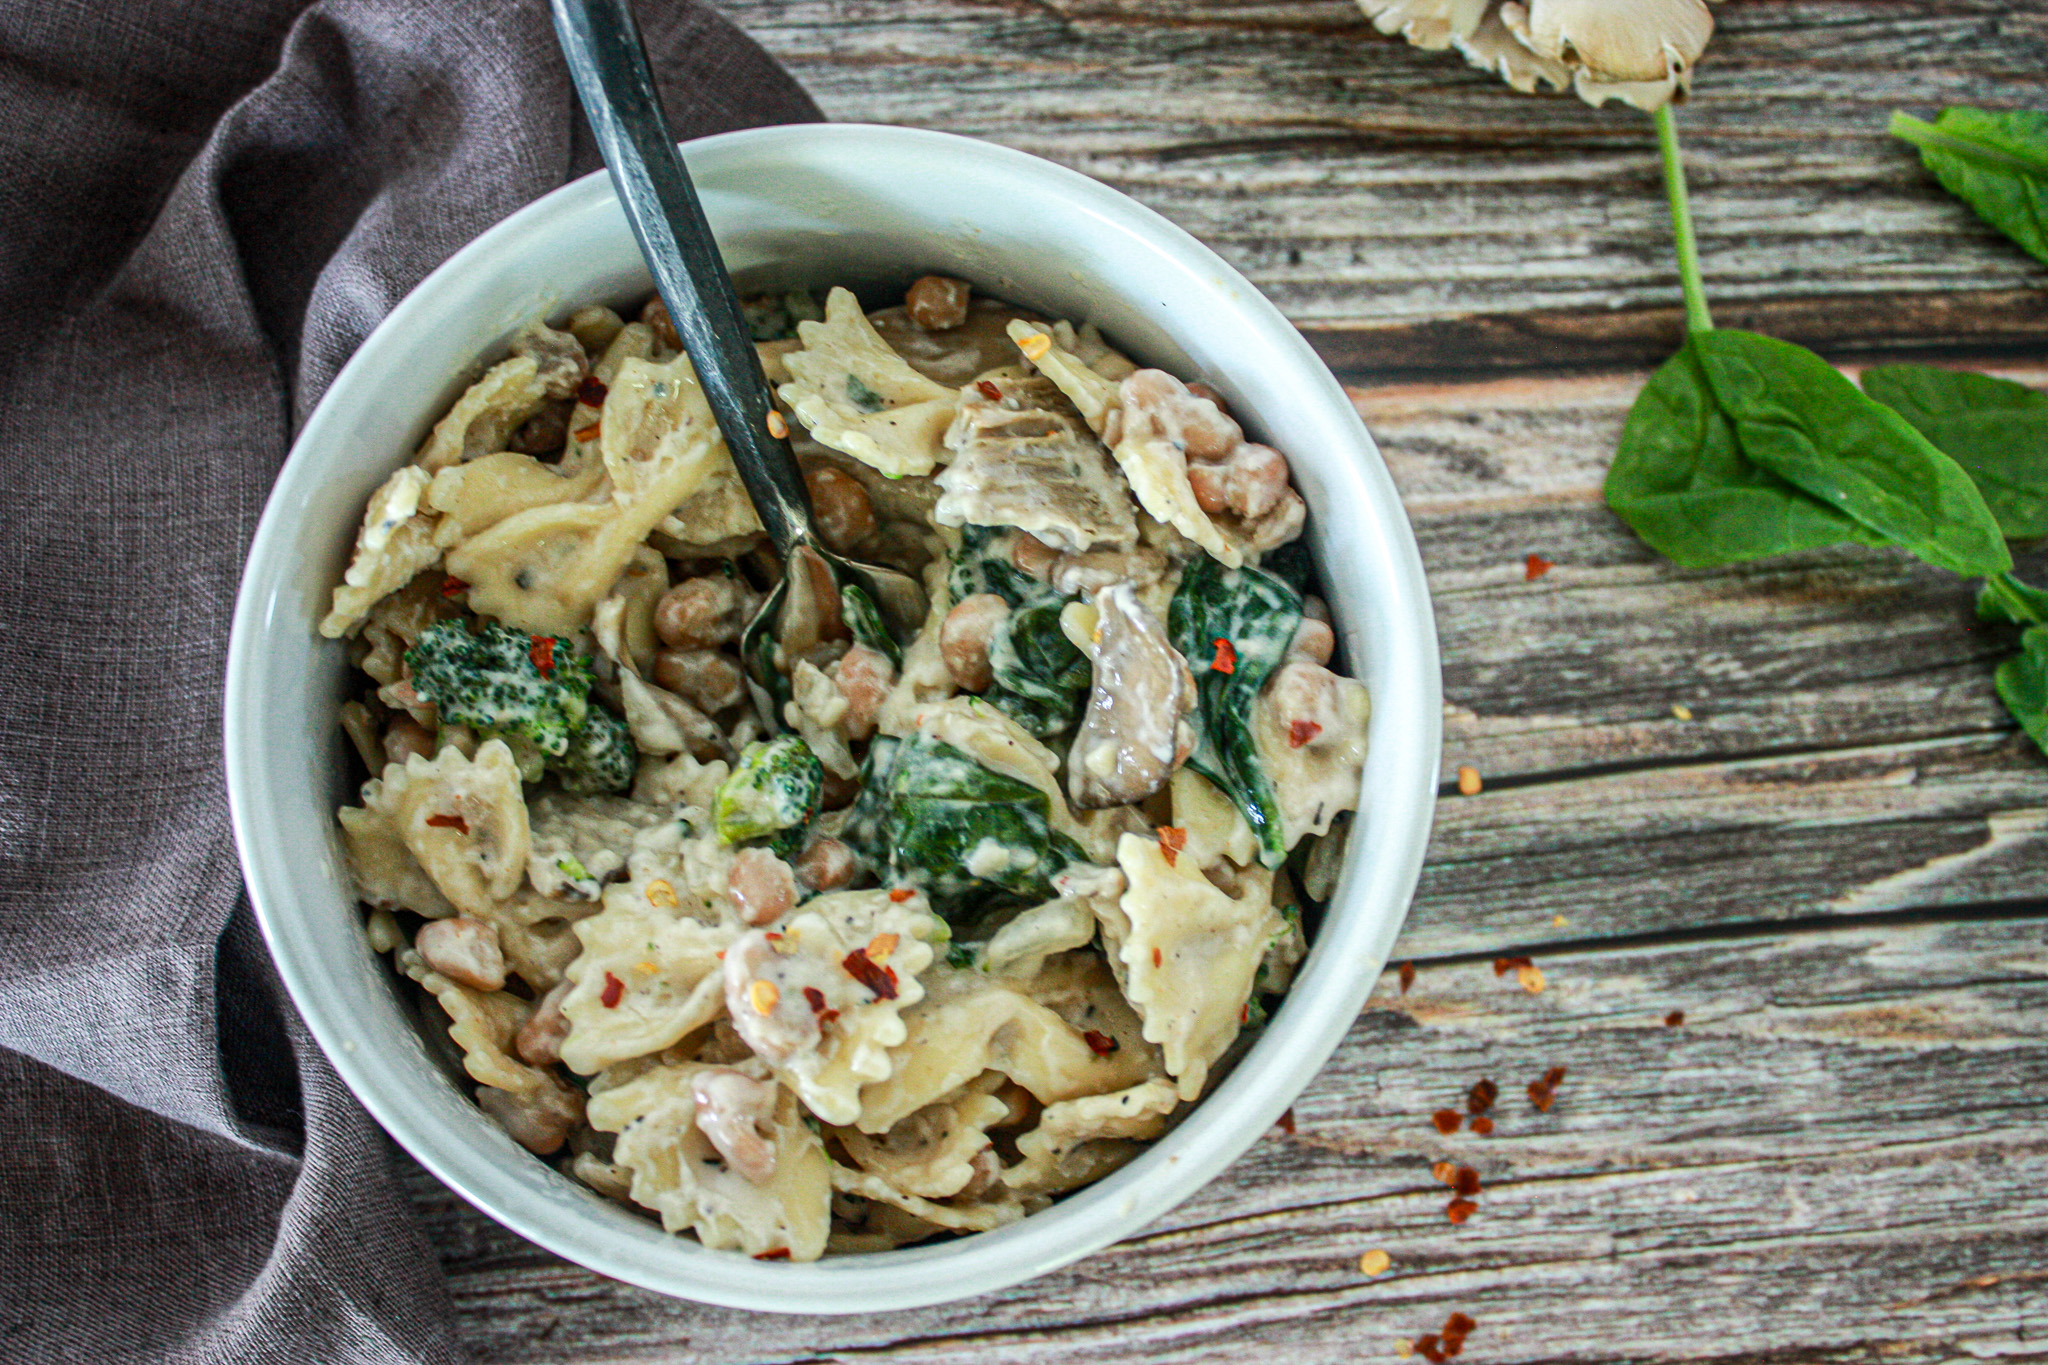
point(2023, 685)
point(1996, 161)
point(982, 564)
point(1995, 429)
point(929, 816)
point(1041, 678)
point(1255, 615)
point(2005, 598)
point(1743, 446)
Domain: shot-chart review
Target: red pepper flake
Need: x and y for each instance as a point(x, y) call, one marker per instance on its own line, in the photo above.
point(1543, 1093)
point(1482, 1126)
point(1503, 965)
point(1553, 1077)
point(989, 390)
point(1482, 1097)
point(1158, 959)
point(1674, 1019)
point(591, 391)
point(815, 998)
point(879, 979)
point(1456, 1328)
point(1300, 732)
point(591, 432)
point(1465, 1181)
point(451, 585)
point(775, 1254)
point(1226, 657)
point(1171, 842)
point(1407, 976)
point(1286, 1121)
point(1101, 1044)
point(542, 653)
point(1534, 567)
point(454, 822)
point(1447, 1121)
point(1426, 1347)
point(901, 894)
point(1458, 1210)
point(614, 992)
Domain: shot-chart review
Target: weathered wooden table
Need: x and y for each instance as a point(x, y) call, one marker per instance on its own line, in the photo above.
point(1835, 868)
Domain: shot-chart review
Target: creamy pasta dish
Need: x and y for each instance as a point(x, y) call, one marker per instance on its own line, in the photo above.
point(954, 924)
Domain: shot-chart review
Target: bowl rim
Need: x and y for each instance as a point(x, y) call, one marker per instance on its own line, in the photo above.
point(1349, 952)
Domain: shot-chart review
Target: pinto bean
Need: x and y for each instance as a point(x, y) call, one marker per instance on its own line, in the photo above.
point(540, 1120)
point(964, 639)
point(1030, 555)
point(705, 678)
point(464, 950)
point(826, 865)
point(737, 1113)
point(539, 1040)
point(864, 677)
point(937, 303)
point(840, 507)
point(700, 613)
point(761, 886)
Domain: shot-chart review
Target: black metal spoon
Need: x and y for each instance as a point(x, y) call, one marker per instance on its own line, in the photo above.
point(608, 65)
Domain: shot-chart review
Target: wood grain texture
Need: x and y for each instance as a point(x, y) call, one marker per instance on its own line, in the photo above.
point(1836, 868)
point(1846, 1137)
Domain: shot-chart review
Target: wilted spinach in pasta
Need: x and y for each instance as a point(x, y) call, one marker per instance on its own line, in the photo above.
point(979, 914)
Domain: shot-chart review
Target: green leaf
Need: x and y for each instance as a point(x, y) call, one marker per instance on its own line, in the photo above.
point(1257, 614)
point(2023, 685)
point(1996, 161)
point(2005, 598)
point(1041, 679)
point(1743, 446)
point(1681, 481)
point(1995, 429)
point(775, 786)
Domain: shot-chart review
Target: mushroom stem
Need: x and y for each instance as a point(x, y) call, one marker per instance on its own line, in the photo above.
point(1697, 318)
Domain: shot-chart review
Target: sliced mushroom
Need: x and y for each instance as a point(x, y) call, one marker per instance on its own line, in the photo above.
point(1134, 732)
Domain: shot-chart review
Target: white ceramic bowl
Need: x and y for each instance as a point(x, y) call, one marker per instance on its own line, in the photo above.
point(808, 206)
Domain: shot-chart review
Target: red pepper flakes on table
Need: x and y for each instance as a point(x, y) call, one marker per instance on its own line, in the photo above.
point(1407, 976)
point(1444, 1172)
point(454, 822)
point(1101, 1044)
point(1158, 958)
point(1171, 841)
point(1447, 1121)
point(1466, 1182)
point(1456, 1328)
point(1482, 1126)
point(1534, 567)
point(591, 391)
point(1458, 1210)
point(614, 992)
point(1482, 1097)
point(879, 980)
point(1226, 657)
point(1426, 1347)
point(1674, 1019)
point(542, 652)
point(1300, 732)
point(1503, 965)
point(1286, 1122)
point(1543, 1093)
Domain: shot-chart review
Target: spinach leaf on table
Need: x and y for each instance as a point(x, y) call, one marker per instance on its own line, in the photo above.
point(2005, 598)
point(1995, 429)
point(2023, 685)
point(971, 839)
point(1743, 446)
point(1996, 161)
point(1256, 613)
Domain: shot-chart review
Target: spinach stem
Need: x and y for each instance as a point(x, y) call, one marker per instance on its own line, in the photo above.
point(2001, 587)
point(1697, 319)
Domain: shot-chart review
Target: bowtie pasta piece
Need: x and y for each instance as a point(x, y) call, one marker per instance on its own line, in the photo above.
point(821, 998)
point(578, 843)
point(1190, 954)
point(464, 820)
point(395, 544)
point(676, 1170)
point(1309, 728)
point(1079, 1141)
point(976, 1215)
point(648, 975)
point(482, 1024)
point(474, 497)
point(861, 398)
point(386, 875)
point(933, 1153)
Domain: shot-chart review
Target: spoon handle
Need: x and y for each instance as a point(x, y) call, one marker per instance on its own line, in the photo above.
point(609, 67)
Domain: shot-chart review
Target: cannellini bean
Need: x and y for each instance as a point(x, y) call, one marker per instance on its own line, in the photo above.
point(705, 678)
point(539, 1040)
point(864, 677)
point(737, 1113)
point(840, 507)
point(465, 951)
point(761, 886)
point(937, 303)
point(538, 1121)
point(826, 865)
point(964, 639)
point(405, 737)
point(699, 613)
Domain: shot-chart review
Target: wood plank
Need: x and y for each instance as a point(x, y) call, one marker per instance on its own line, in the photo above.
point(1367, 186)
point(1844, 1145)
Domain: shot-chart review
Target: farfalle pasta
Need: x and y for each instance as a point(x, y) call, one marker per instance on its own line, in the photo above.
point(956, 924)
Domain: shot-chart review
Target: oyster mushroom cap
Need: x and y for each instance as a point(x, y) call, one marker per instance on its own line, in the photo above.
point(1430, 24)
point(1493, 47)
point(1641, 51)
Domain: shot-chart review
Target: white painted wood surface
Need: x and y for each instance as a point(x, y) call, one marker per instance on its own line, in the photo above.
point(1837, 869)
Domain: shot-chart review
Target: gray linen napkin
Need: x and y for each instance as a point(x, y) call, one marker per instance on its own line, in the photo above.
point(204, 207)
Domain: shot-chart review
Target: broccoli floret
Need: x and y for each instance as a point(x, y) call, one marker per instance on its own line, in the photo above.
point(529, 690)
point(775, 786)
